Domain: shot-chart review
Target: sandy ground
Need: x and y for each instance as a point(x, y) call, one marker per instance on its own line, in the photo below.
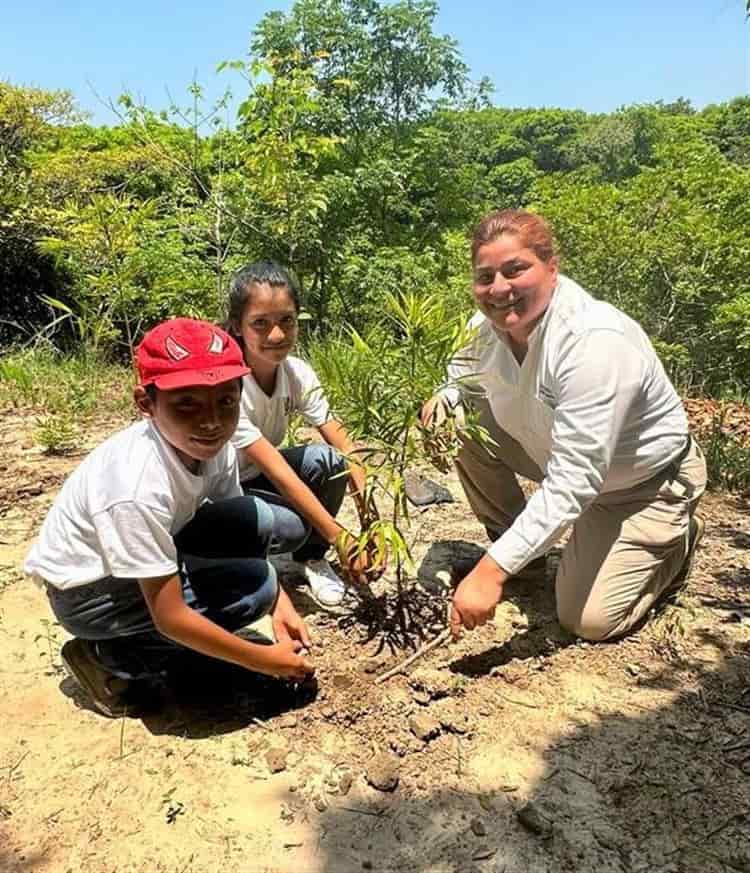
point(516, 750)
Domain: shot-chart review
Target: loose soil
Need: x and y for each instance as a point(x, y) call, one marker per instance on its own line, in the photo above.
point(515, 750)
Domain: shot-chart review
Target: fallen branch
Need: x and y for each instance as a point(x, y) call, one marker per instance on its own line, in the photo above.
point(441, 638)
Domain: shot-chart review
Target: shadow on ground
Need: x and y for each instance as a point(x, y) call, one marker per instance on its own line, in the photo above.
point(663, 791)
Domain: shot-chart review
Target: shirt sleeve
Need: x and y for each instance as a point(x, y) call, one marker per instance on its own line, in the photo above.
point(311, 401)
point(136, 541)
point(463, 369)
point(598, 381)
point(246, 433)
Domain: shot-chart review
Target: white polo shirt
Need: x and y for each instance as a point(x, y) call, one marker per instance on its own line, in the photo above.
point(297, 389)
point(117, 513)
point(590, 404)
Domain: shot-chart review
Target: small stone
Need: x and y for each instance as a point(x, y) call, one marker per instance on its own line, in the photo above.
point(421, 696)
point(398, 748)
point(383, 772)
point(478, 828)
point(452, 718)
point(320, 803)
point(633, 669)
point(288, 721)
point(424, 727)
point(486, 802)
point(276, 760)
point(372, 666)
point(328, 712)
point(533, 820)
point(483, 853)
point(345, 782)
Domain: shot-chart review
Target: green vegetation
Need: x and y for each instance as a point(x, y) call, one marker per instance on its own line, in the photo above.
point(361, 154)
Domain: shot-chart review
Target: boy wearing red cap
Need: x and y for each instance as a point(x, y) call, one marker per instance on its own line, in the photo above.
point(151, 547)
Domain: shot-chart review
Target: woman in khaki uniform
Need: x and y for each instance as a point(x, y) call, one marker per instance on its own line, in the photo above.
point(575, 398)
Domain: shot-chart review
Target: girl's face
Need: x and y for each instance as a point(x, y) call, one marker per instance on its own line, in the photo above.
point(512, 286)
point(268, 326)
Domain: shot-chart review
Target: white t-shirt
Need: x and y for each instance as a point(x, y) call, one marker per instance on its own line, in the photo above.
point(297, 389)
point(118, 511)
point(590, 404)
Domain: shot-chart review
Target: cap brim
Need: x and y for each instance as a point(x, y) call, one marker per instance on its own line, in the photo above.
point(198, 378)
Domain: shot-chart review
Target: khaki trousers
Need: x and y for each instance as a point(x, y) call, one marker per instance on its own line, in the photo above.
point(624, 550)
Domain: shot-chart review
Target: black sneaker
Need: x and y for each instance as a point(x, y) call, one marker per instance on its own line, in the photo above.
point(110, 695)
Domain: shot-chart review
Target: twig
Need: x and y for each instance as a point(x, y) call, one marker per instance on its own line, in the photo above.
point(518, 702)
point(15, 766)
point(441, 638)
point(374, 812)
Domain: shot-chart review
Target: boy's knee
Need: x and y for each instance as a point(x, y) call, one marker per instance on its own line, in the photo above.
point(268, 591)
point(265, 523)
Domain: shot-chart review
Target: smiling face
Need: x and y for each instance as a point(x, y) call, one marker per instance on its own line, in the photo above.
point(196, 421)
point(512, 285)
point(268, 326)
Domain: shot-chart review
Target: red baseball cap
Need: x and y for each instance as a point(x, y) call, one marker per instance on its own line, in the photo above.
point(183, 352)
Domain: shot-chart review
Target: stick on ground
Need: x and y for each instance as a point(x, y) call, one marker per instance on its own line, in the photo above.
point(441, 638)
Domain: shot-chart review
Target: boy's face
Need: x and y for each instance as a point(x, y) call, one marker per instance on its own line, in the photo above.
point(197, 421)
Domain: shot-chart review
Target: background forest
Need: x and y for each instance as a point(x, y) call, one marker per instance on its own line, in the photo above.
point(361, 154)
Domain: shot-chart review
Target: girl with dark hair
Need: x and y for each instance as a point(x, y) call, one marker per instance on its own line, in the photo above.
point(303, 486)
point(575, 398)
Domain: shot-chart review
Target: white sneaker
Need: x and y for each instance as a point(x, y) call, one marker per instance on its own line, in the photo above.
point(326, 587)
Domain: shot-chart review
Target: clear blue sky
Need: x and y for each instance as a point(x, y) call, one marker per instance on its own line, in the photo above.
point(589, 54)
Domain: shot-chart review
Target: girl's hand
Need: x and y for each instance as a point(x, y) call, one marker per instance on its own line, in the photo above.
point(434, 412)
point(284, 661)
point(287, 623)
point(361, 567)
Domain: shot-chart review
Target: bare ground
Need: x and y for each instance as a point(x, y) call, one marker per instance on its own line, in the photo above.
point(515, 750)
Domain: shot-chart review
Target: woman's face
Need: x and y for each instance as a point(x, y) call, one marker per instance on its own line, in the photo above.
point(268, 326)
point(512, 286)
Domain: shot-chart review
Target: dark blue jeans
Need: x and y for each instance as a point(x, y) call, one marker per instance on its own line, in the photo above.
point(325, 472)
point(225, 576)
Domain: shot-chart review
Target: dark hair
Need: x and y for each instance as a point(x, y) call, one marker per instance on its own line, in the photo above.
point(241, 288)
point(531, 229)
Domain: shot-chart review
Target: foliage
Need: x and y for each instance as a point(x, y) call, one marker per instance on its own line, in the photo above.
point(377, 382)
point(727, 460)
point(361, 155)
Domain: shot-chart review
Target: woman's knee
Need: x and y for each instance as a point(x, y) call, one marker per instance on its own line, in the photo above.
point(582, 616)
point(586, 624)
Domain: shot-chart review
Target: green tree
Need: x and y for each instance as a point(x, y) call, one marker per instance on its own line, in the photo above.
point(374, 65)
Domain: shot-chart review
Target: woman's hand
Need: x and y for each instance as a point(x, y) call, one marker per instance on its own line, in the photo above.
point(287, 623)
point(476, 597)
point(440, 424)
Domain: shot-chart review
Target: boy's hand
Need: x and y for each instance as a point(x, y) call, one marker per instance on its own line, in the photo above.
point(284, 661)
point(476, 597)
point(287, 623)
